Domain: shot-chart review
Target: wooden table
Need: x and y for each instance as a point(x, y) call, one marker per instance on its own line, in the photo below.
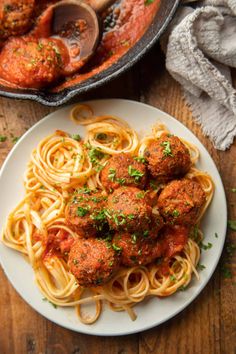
point(207, 326)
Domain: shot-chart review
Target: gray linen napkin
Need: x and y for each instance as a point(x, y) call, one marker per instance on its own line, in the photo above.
point(201, 48)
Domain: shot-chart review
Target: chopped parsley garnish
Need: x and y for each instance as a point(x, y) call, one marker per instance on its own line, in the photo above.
point(101, 136)
point(146, 233)
point(95, 154)
point(82, 211)
point(226, 272)
point(75, 261)
point(135, 173)
point(112, 174)
point(175, 213)
point(100, 215)
point(121, 181)
point(200, 266)
point(204, 246)
point(120, 219)
point(230, 248)
point(139, 252)
point(232, 224)
point(154, 185)
point(116, 248)
point(216, 235)
point(140, 159)
point(76, 137)
point(140, 195)
point(131, 216)
point(2, 138)
point(182, 288)
point(167, 148)
point(233, 190)
point(134, 238)
point(148, 2)
point(50, 302)
point(172, 277)
point(15, 139)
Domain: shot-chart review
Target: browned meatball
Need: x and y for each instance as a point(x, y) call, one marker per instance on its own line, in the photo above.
point(85, 213)
point(181, 202)
point(129, 210)
point(167, 158)
point(31, 63)
point(16, 17)
point(136, 249)
point(123, 170)
point(92, 261)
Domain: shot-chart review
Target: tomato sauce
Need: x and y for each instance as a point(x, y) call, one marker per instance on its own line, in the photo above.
point(124, 23)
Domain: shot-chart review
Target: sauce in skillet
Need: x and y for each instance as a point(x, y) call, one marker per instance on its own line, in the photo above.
point(32, 62)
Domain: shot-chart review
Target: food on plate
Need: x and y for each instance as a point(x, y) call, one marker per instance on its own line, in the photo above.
point(181, 202)
point(168, 158)
point(124, 170)
point(90, 239)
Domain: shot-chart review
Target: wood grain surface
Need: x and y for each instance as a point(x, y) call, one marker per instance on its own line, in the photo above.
point(207, 326)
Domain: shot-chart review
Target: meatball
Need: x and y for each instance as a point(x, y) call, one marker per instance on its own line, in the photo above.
point(16, 17)
point(167, 158)
point(173, 239)
point(92, 261)
point(181, 202)
point(31, 63)
point(85, 213)
point(123, 169)
point(136, 250)
point(129, 210)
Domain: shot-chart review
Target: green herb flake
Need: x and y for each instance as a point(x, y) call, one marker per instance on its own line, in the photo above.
point(216, 235)
point(134, 238)
point(226, 272)
point(167, 148)
point(76, 137)
point(75, 261)
point(232, 224)
point(2, 138)
point(140, 195)
point(101, 136)
point(205, 247)
point(135, 173)
point(175, 213)
point(82, 211)
point(172, 277)
point(112, 174)
point(116, 248)
point(146, 233)
point(15, 139)
point(233, 190)
point(148, 2)
point(200, 266)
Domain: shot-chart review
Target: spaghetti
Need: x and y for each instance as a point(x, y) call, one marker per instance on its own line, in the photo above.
point(58, 166)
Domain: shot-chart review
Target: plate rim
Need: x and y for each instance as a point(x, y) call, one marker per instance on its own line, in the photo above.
point(182, 307)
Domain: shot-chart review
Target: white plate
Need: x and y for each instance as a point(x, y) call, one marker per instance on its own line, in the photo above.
point(153, 311)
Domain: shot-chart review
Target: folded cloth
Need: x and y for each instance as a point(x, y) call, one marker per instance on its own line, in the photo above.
point(201, 48)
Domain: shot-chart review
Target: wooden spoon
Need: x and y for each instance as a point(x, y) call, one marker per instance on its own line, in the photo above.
point(77, 25)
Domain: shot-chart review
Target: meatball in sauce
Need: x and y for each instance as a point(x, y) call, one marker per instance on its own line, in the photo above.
point(92, 261)
point(123, 170)
point(167, 158)
point(85, 213)
point(41, 61)
point(181, 202)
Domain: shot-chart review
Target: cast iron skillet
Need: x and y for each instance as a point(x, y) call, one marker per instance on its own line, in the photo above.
point(162, 18)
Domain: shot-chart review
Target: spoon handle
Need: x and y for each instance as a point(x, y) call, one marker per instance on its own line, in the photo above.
point(100, 5)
